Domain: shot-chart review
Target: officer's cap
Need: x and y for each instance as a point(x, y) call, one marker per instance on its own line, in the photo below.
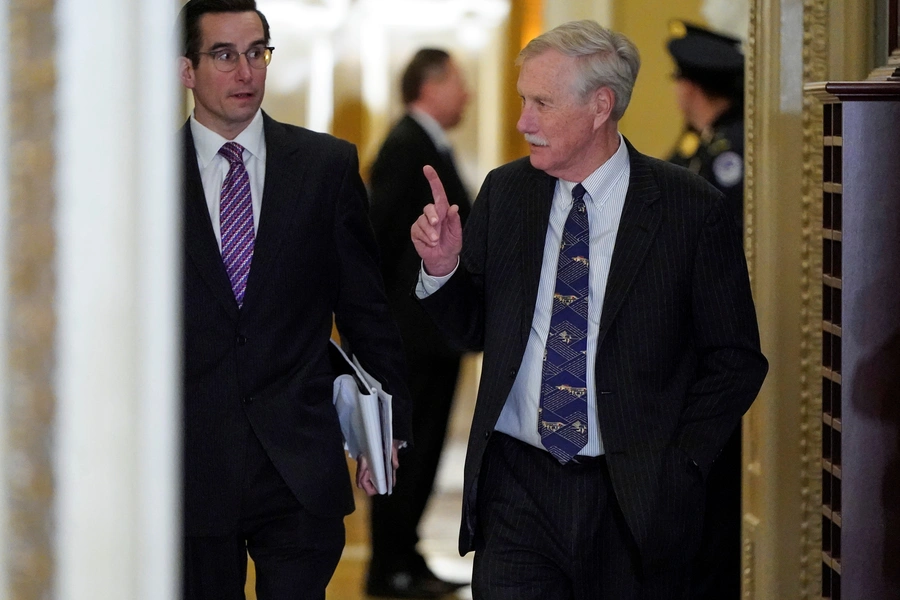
point(710, 59)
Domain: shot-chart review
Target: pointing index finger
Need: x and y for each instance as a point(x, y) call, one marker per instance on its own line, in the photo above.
point(437, 191)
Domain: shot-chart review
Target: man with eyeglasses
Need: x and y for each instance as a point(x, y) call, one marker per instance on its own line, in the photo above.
point(277, 245)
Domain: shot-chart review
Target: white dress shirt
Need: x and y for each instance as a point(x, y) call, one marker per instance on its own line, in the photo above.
point(606, 188)
point(214, 167)
point(432, 128)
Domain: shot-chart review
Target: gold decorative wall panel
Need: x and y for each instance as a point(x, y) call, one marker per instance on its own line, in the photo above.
point(653, 121)
point(815, 58)
point(525, 23)
point(750, 138)
point(782, 432)
point(27, 471)
point(748, 557)
point(751, 434)
point(750, 461)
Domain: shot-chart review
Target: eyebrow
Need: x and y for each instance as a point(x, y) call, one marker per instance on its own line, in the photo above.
point(228, 45)
point(536, 97)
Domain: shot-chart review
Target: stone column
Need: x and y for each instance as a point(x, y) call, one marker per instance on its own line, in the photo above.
point(28, 398)
point(89, 271)
point(118, 265)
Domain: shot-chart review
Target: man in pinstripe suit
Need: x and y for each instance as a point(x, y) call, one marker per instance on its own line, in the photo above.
point(672, 356)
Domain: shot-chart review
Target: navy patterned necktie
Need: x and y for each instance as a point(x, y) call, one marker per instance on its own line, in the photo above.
point(562, 415)
point(236, 220)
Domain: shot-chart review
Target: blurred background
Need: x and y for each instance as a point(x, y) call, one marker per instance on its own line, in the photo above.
point(90, 261)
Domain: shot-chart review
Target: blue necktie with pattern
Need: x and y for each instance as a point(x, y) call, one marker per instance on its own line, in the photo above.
point(236, 220)
point(562, 415)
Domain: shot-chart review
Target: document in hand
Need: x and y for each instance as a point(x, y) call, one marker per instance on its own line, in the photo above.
point(364, 409)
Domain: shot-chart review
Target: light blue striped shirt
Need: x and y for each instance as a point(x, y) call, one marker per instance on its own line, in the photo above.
point(606, 188)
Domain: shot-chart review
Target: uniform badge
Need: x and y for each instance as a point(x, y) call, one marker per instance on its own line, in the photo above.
point(728, 169)
point(677, 29)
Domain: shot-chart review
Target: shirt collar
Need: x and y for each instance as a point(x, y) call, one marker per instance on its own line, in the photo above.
point(605, 175)
point(207, 142)
point(431, 127)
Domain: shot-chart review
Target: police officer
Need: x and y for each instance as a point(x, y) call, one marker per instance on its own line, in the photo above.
point(709, 84)
point(710, 90)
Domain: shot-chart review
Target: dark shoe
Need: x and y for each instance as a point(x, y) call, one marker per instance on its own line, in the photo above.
point(406, 584)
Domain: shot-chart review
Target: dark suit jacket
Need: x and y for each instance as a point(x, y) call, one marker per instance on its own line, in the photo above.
point(398, 192)
point(263, 369)
point(678, 358)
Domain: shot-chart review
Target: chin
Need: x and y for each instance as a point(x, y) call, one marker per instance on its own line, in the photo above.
point(247, 114)
point(537, 163)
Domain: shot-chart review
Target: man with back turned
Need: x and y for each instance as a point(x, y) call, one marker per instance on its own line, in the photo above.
point(610, 295)
point(435, 94)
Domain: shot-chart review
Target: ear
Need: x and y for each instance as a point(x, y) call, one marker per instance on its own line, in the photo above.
point(604, 101)
point(429, 90)
point(186, 72)
point(695, 90)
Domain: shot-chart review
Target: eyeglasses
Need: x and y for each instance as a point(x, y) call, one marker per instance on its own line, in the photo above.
point(227, 59)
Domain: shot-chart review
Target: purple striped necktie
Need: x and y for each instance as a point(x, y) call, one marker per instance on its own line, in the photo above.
point(236, 220)
point(562, 420)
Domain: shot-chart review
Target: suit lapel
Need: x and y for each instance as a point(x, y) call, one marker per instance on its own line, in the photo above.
point(637, 228)
point(284, 176)
point(537, 192)
point(199, 237)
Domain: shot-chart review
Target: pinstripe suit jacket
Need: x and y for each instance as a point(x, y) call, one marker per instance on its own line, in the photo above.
point(678, 358)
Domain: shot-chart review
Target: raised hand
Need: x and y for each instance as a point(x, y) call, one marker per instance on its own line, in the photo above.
point(437, 233)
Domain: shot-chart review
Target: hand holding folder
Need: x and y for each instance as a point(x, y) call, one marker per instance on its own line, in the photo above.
point(364, 410)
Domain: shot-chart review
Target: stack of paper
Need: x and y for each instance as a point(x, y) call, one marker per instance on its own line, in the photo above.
point(364, 409)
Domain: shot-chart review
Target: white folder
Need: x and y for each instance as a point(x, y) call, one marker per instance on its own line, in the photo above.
point(364, 410)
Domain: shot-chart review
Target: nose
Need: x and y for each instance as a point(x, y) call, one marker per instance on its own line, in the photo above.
point(243, 71)
point(525, 123)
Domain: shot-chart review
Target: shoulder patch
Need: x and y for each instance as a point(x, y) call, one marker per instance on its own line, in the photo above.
point(688, 144)
point(728, 169)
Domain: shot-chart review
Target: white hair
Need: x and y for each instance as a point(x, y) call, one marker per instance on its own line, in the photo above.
point(605, 58)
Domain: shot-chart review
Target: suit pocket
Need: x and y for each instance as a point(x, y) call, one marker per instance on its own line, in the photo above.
point(688, 463)
point(680, 508)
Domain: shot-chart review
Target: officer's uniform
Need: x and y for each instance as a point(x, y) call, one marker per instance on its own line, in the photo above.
point(717, 155)
point(715, 63)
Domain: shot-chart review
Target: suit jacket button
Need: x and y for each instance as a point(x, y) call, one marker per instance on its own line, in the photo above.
point(512, 373)
point(248, 399)
point(241, 340)
point(487, 434)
